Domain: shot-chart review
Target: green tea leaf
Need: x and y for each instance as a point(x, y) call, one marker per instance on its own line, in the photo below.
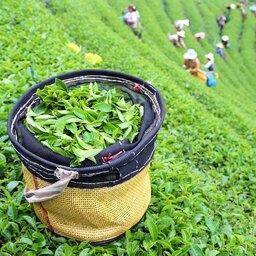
point(25, 240)
point(109, 128)
point(46, 252)
point(31, 122)
point(210, 224)
point(88, 137)
point(128, 131)
point(103, 107)
point(85, 252)
point(152, 227)
point(120, 115)
point(4, 138)
point(12, 211)
point(61, 123)
point(44, 117)
point(12, 185)
point(211, 252)
point(29, 220)
point(195, 250)
point(80, 113)
point(83, 154)
point(124, 125)
point(72, 127)
point(82, 143)
point(121, 104)
point(107, 138)
point(61, 84)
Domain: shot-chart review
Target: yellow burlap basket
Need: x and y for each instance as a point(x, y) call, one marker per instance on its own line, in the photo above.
point(98, 201)
point(94, 214)
point(202, 76)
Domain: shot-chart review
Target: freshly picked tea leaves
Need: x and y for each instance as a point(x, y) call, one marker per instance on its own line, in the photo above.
point(81, 121)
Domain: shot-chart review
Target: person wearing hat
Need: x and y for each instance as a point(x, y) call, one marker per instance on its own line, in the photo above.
point(132, 19)
point(211, 74)
point(200, 35)
point(241, 6)
point(177, 39)
point(191, 62)
point(219, 50)
point(230, 6)
point(225, 41)
point(210, 64)
point(245, 2)
point(221, 20)
point(178, 24)
point(253, 9)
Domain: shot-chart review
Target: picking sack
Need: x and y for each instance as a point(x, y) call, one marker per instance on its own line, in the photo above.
point(210, 79)
point(95, 201)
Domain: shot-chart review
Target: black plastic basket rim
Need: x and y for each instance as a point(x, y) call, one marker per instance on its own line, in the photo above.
point(88, 72)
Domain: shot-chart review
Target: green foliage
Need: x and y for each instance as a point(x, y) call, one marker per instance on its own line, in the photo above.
point(203, 171)
point(80, 122)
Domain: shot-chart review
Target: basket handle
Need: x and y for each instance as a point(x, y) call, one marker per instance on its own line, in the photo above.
point(53, 190)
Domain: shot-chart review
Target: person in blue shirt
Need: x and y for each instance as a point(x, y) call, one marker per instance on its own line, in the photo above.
point(212, 75)
point(219, 50)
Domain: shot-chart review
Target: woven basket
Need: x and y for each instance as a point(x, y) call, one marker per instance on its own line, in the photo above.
point(95, 202)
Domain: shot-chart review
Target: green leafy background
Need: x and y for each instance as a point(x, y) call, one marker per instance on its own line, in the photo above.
point(203, 171)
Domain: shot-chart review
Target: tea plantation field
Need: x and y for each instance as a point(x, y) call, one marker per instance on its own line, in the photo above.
point(203, 172)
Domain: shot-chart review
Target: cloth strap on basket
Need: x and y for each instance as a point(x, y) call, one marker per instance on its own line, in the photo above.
point(53, 190)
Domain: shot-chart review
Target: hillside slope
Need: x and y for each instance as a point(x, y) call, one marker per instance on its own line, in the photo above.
point(203, 171)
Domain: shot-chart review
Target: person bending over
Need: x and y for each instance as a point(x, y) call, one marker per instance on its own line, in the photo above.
point(191, 62)
point(177, 39)
point(178, 24)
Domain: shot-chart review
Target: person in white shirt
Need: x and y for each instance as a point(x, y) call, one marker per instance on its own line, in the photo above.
point(253, 9)
point(210, 64)
point(180, 23)
point(132, 19)
point(177, 39)
point(221, 20)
